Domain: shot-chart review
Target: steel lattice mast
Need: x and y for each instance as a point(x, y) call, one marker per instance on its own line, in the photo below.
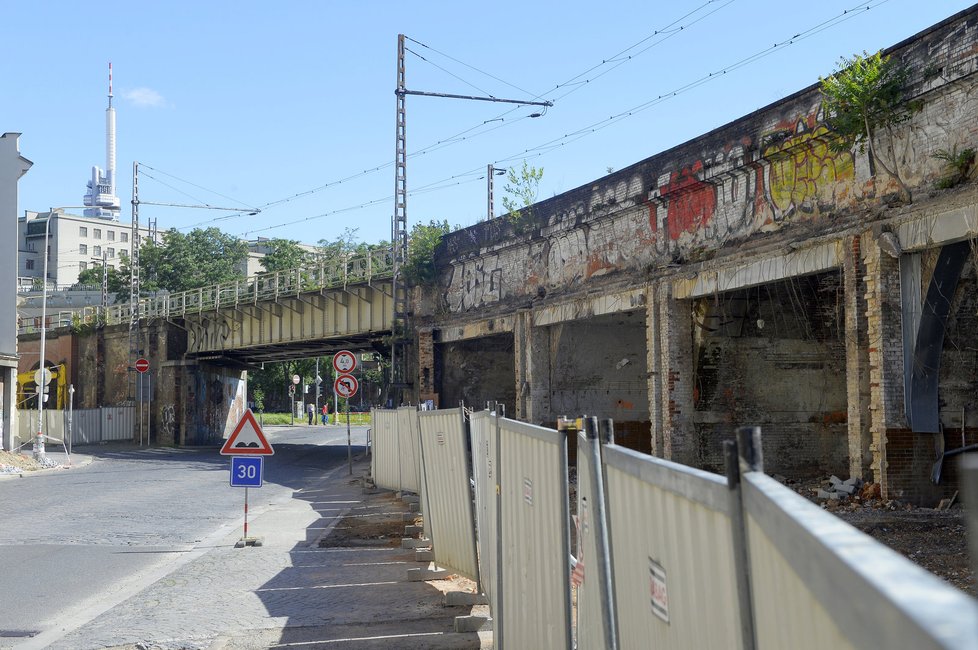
point(399, 234)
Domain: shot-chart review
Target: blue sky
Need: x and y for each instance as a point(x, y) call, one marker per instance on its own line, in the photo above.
point(271, 105)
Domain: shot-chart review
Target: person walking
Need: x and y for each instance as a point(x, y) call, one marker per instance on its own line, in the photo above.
point(325, 413)
point(312, 411)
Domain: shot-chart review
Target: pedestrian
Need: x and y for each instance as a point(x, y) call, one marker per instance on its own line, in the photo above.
point(312, 412)
point(325, 413)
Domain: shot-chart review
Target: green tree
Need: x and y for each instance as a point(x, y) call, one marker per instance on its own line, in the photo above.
point(117, 280)
point(182, 262)
point(420, 266)
point(866, 95)
point(521, 189)
point(284, 254)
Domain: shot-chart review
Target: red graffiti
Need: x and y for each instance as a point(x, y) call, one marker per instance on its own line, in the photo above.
point(691, 202)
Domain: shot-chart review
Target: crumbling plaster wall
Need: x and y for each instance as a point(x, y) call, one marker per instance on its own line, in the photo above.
point(768, 176)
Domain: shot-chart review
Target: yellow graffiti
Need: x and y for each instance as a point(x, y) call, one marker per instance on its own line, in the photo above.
point(804, 169)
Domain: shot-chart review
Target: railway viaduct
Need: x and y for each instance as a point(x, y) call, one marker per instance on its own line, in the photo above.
point(749, 276)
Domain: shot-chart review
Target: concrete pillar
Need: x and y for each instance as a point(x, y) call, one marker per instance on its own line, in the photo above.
point(426, 365)
point(532, 348)
point(883, 316)
point(653, 342)
point(8, 404)
point(857, 361)
point(674, 321)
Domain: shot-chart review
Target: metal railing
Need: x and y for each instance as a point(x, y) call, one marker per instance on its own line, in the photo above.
point(375, 265)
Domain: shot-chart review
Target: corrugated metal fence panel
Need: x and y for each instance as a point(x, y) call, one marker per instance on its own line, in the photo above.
point(820, 583)
point(86, 426)
point(409, 457)
point(670, 537)
point(449, 516)
point(535, 589)
point(118, 422)
point(590, 633)
point(54, 425)
point(385, 464)
point(482, 427)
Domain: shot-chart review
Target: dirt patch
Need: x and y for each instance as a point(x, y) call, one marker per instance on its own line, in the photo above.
point(378, 521)
point(933, 539)
point(14, 463)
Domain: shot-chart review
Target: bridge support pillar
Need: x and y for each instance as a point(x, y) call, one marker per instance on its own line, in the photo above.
point(531, 345)
point(857, 357)
point(669, 324)
point(8, 402)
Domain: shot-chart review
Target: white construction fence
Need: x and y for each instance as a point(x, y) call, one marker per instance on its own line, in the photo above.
point(665, 556)
point(87, 426)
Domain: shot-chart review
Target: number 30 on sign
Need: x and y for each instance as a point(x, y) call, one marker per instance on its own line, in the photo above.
point(246, 471)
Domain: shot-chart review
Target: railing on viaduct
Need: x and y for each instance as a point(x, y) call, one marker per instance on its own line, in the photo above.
point(332, 274)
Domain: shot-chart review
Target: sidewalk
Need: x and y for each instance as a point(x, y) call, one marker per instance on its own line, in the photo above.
point(292, 592)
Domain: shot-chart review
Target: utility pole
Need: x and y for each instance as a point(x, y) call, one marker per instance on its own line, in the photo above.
point(399, 235)
point(134, 285)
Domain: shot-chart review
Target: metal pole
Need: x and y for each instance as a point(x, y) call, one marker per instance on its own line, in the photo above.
point(349, 446)
point(317, 382)
point(498, 618)
point(245, 538)
point(738, 529)
point(71, 414)
point(149, 408)
point(600, 523)
point(39, 439)
point(139, 406)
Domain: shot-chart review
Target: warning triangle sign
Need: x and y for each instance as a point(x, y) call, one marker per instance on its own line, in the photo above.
point(247, 439)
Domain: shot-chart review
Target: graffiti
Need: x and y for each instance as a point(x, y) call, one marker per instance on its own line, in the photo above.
point(803, 170)
point(476, 284)
point(690, 203)
point(168, 420)
point(208, 334)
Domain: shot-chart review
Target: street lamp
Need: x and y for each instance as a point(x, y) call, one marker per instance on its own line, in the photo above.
point(43, 373)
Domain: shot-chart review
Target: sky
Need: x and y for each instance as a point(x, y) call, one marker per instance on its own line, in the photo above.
point(289, 107)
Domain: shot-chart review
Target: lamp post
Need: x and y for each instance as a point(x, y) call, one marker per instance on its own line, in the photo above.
point(42, 369)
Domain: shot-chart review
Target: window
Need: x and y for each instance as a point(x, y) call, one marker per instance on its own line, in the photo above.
point(110, 234)
point(97, 232)
point(83, 249)
point(29, 265)
point(97, 251)
point(124, 236)
point(83, 266)
point(83, 231)
point(111, 252)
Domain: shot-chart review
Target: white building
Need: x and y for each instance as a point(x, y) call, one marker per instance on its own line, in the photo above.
point(74, 244)
point(12, 167)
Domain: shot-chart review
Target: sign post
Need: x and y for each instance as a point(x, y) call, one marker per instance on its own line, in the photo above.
point(247, 445)
point(346, 386)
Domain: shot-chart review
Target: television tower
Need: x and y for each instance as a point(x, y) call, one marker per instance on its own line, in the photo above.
point(100, 194)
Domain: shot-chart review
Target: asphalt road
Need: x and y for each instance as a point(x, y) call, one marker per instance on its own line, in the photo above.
point(74, 543)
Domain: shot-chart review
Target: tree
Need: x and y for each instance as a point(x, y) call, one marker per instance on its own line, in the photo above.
point(522, 190)
point(865, 95)
point(284, 254)
point(92, 277)
point(182, 262)
point(420, 266)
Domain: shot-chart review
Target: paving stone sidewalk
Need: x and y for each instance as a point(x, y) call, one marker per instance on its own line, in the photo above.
point(288, 592)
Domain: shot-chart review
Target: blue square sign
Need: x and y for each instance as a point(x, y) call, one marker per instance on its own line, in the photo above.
point(246, 471)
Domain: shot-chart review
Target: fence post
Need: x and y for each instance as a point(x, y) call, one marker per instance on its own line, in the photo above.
point(969, 484)
point(603, 560)
point(732, 453)
point(498, 620)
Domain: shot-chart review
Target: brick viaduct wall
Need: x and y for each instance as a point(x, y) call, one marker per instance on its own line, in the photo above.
point(751, 206)
point(192, 403)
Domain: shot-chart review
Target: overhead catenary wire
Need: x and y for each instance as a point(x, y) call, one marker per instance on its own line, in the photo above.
point(573, 136)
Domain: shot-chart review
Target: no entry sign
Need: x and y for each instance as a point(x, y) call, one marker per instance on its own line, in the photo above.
point(142, 365)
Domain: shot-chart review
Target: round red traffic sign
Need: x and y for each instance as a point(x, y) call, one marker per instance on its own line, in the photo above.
point(142, 365)
point(344, 361)
point(346, 386)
